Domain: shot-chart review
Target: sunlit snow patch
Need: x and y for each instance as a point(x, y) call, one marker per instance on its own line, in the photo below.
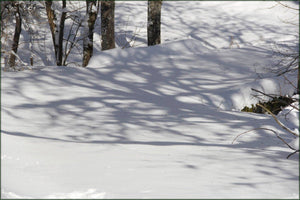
point(90, 193)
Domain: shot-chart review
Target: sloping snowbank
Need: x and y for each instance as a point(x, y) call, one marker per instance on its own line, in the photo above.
point(187, 62)
point(144, 123)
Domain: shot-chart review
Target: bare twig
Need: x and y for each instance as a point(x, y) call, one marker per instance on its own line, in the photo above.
point(72, 42)
point(268, 95)
point(287, 6)
point(262, 128)
point(292, 154)
point(277, 121)
point(285, 78)
point(294, 107)
point(248, 132)
point(289, 67)
point(69, 11)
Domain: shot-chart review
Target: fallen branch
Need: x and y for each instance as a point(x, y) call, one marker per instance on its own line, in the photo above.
point(272, 97)
point(292, 154)
point(261, 128)
point(277, 121)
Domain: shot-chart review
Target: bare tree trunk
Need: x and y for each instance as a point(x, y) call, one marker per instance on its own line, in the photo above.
point(154, 21)
point(91, 12)
point(298, 86)
point(108, 24)
point(52, 23)
point(15, 45)
point(61, 34)
point(57, 31)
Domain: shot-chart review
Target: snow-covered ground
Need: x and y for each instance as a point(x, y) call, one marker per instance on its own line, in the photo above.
point(156, 122)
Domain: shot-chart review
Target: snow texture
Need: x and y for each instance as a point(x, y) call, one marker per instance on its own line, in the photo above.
point(156, 122)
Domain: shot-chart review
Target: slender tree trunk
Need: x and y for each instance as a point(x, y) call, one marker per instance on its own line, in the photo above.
point(52, 23)
point(154, 21)
point(298, 89)
point(31, 45)
point(61, 34)
point(15, 45)
point(57, 31)
point(108, 24)
point(91, 12)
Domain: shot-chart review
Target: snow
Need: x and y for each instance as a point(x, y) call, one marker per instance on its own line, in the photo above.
point(156, 122)
point(290, 116)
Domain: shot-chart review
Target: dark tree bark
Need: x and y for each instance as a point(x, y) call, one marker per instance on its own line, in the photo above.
point(108, 24)
point(57, 31)
point(18, 29)
point(154, 21)
point(61, 34)
point(52, 23)
point(298, 88)
point(91, 13)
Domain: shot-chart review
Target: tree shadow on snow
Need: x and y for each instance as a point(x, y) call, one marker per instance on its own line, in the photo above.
point(132, 100)
point(127, 97)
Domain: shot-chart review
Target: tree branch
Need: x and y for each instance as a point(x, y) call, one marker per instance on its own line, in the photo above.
point(277, 121)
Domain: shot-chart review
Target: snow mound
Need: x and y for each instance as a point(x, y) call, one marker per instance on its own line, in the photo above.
point(184, 64)
point(289, 116)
